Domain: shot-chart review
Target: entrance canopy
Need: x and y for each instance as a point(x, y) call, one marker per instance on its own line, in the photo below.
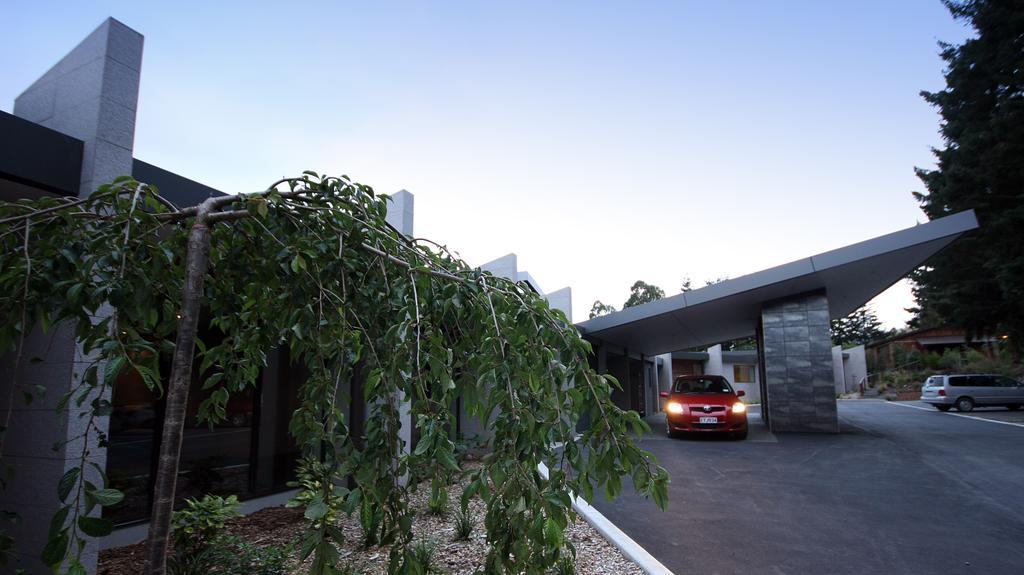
point(850, 275)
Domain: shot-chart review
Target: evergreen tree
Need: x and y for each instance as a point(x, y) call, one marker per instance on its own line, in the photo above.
point(858, 328)
point(978, 282)
point(599, 309)
point(642, 292)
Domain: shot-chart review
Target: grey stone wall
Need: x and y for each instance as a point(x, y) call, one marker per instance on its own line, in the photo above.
point(91, 94)
point(798, 364)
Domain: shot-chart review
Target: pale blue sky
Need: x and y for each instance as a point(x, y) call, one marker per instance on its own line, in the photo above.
point(602, 142)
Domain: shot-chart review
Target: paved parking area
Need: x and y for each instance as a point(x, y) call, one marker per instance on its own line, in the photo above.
point(900, 490)
point(989, 413)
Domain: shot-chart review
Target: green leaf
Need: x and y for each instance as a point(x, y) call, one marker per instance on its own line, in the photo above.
point(76, 568)
point(317, 509)
point(74, 291)
point(107, 497)
point(552, 534)
point(95, 526)
point(298, 263)
point(55, 550)
point(57, 522)
point(67, 482)
point(112, 369)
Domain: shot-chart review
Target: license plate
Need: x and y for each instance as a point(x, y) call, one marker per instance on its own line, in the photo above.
point(709, 420)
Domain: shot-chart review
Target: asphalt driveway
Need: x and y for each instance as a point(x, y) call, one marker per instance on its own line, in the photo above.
point(899, 490)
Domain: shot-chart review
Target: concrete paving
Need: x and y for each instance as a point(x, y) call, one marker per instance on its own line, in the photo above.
point(899, 490)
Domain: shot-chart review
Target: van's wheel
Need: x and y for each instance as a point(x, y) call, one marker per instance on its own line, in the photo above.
point(943, 407)
point(964, 404)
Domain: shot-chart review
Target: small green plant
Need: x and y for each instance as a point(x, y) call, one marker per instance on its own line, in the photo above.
point(202, 521)
point(566, 565)
point(421, 558)
point(256, 560)
point(200, 544)
point(437, 503)
point(463, 524)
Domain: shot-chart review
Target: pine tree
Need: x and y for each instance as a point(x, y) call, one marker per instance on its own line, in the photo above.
point(978, 283)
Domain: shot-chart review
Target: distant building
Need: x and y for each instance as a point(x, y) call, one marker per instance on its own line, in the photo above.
point(895, 352)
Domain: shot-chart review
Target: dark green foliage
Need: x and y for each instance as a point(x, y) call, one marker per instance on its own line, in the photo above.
point(599, 309)
point(566, 565)
point(464, 523)
point(437, 501)
point(858, 328)
point(641, 292)
point(268, 560)
point(202, 522)
point(315, 268)
point(421, 559)
point(201, 545)
point(978, 282)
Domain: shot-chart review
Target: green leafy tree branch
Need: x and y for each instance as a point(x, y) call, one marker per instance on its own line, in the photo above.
point(311, 265)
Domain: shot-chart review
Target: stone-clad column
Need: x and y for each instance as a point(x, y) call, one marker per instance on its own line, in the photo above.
point(798, 364)
point(91, 95)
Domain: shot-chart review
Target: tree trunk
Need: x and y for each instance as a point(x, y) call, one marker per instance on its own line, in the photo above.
point(197, 260)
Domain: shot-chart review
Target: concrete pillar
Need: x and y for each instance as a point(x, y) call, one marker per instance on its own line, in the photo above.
point(561, 300)
point(714, 365)
point(401, 216)
point(401, 211)
point(798, 364)
point(91, 94)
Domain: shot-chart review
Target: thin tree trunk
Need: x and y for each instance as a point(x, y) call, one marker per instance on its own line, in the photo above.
point(197, 260)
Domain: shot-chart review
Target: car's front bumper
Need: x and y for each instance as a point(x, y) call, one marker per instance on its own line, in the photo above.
point(730, 423)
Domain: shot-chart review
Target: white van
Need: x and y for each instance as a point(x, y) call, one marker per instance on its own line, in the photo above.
point(966, 391)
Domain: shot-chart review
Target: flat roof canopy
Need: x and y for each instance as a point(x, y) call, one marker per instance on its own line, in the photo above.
point(850, 275)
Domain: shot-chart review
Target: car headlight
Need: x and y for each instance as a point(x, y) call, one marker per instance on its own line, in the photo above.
point(674, 407)
point(738, 407)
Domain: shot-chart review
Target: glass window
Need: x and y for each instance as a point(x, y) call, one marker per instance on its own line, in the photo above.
point(1003, 381)
point(133, 423)
point(743, 373)
point(958, 380)
point(703, 385)
point(981, 381)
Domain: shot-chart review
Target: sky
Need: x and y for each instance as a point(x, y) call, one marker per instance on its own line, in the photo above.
point(602, 142)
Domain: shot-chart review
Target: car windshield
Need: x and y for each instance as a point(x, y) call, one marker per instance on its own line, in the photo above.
point(702, 385)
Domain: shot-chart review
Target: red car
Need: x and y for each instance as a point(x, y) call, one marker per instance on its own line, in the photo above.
point(704, 404)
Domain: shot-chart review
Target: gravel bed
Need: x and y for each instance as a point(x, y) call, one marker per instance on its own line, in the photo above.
point(280, 526)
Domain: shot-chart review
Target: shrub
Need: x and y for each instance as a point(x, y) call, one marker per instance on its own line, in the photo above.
point(930, 361)
point(200, 544)
point(202, 521)
point(950, 360)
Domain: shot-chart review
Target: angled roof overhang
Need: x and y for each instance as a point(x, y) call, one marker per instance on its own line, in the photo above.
point(850, 276)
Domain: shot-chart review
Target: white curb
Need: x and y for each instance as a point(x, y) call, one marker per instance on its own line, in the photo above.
point(624, 543)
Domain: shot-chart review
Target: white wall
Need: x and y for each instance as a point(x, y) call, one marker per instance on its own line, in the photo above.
point(837, 369)
point(713, 366)
point(855, 366)
point(751, 389)
point(561, 300)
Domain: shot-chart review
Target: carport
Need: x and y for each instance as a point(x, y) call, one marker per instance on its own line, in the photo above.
point(787, 308)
